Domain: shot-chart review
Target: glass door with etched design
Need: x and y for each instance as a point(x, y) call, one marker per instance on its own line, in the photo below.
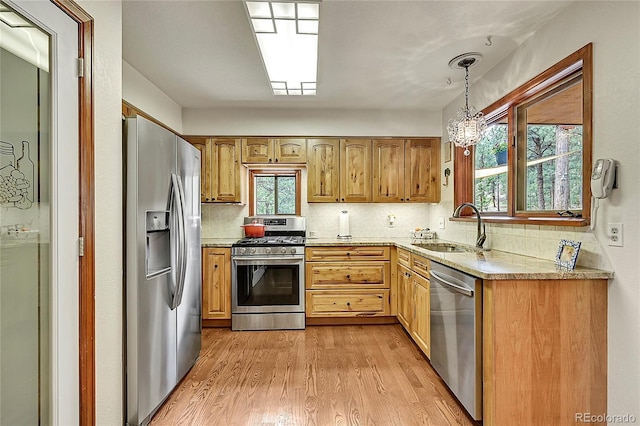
point(25, 343)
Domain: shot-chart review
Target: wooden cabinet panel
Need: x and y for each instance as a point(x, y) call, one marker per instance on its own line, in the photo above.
point(256, 150)
point(323, 170)
point(404, 257)
point(225, 183)
point(216, 283)
point(544, 345)
point(271, 151)
point(404, 297)
point(421, 321)
point(327, 275)
point(420, 265)
point(205, 169)
point(422, 170)
point(355, 170)
point(388, 170)
point(290, 151)
point(347, 303)
point(347, 253)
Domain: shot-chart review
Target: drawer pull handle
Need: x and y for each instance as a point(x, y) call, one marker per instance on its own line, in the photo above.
point(348, 277)
point(348, 303)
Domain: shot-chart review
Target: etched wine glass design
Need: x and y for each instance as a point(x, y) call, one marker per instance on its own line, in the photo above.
point(16, 180)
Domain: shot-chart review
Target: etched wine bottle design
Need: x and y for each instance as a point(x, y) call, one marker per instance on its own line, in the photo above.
point(27, 168)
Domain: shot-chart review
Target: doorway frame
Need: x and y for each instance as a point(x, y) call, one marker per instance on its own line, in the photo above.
point(87, 390)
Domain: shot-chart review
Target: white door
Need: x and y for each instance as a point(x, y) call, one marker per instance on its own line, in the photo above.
point(39, 215)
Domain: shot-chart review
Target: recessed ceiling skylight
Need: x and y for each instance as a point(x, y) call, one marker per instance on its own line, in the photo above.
point(287, 36)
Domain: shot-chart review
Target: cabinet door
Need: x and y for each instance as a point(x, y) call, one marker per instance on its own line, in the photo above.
point(422, 174)
point(205, 169)
point(290, 151)
point(420, 323)
point(388, 170)
point(404, 297)
point(216, 283)
point(257, 150)
point(226, 170)
point(355, 170)
point(323, 169)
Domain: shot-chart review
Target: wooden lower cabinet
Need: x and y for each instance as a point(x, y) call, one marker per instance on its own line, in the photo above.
point(404, 297)
point(216, 283)
point(544, 351)
point(421, 320)
point(345, 281)
point(414, 298)
point(361, 303)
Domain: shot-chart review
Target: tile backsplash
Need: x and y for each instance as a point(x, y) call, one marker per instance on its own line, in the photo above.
point(371, 220)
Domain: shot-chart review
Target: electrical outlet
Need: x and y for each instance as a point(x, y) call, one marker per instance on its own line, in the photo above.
point(614, 234)
point(441, 222)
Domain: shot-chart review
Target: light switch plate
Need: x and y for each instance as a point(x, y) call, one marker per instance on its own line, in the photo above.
point(441, 222)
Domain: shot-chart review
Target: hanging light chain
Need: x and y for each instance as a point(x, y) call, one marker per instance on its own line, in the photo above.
point(466, 90)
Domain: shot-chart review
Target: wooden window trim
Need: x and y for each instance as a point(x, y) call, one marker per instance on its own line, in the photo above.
point(463, 182)
point(270, 172)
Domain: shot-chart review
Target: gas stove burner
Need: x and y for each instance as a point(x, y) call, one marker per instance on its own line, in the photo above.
point(271, 240)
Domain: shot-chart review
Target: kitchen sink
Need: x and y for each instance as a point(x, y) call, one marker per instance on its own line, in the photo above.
point(441, 247)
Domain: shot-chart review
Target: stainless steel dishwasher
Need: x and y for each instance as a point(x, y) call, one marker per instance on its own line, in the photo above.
point(456, 334)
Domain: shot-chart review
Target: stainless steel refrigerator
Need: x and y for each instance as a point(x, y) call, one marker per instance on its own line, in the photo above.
point(162, 264)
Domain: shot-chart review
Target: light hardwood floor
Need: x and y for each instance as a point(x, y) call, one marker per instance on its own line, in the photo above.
point(324, 375)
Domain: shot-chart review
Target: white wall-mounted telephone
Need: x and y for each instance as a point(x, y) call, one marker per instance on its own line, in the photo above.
point(603, 177)
point(603, 180)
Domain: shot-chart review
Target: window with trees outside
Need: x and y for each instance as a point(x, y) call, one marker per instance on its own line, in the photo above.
point(274, 192)
point(534, 160)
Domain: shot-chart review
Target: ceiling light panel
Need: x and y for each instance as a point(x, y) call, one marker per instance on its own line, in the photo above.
point(287, 36)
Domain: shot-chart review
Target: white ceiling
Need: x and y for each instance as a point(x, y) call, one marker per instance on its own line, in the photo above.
point(372, 54)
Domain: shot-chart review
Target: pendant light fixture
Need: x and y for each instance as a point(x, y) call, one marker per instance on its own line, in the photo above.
point(469, 125)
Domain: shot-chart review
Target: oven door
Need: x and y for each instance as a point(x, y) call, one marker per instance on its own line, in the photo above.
point(267, 284)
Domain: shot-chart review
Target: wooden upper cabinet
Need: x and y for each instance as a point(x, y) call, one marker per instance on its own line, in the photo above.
point(290, 151)
point(422, 170)
point(225, 170)
point(355, 170)
point(271, 151)
point(256, 150)
point(323, 170)
point(205, 169)
point(388, 170)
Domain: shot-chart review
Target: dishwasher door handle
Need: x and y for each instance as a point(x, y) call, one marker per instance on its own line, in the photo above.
point(454, 287)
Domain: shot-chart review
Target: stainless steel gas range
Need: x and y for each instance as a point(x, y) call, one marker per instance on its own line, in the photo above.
point(267, 286)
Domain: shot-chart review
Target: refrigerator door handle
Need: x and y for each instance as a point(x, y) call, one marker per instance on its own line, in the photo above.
point(181, 257)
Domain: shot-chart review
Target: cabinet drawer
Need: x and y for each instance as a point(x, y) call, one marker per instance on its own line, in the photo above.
point(347, 303)
point(420, 265)
point(320, 275)
point(347, 253)
point(404, 257)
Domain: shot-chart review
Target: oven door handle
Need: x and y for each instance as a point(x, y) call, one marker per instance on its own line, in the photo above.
point(267, 260)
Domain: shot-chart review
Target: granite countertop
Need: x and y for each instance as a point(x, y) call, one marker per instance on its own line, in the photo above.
point(486, 264)
point(217, 242)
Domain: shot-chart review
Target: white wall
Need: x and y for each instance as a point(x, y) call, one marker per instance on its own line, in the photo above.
point(614, 29)
point(107, 51)
point(138, 91)
point(310, 122)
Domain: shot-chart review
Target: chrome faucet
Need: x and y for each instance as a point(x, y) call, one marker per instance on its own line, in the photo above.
point(482, 236)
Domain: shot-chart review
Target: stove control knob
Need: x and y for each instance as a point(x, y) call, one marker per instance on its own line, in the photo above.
point(252, 250)
point(292, 250)
point(283, 250)
point(267, 250)
point(242, 250)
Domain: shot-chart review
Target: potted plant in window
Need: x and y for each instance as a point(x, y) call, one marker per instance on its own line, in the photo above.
point(500, 151)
